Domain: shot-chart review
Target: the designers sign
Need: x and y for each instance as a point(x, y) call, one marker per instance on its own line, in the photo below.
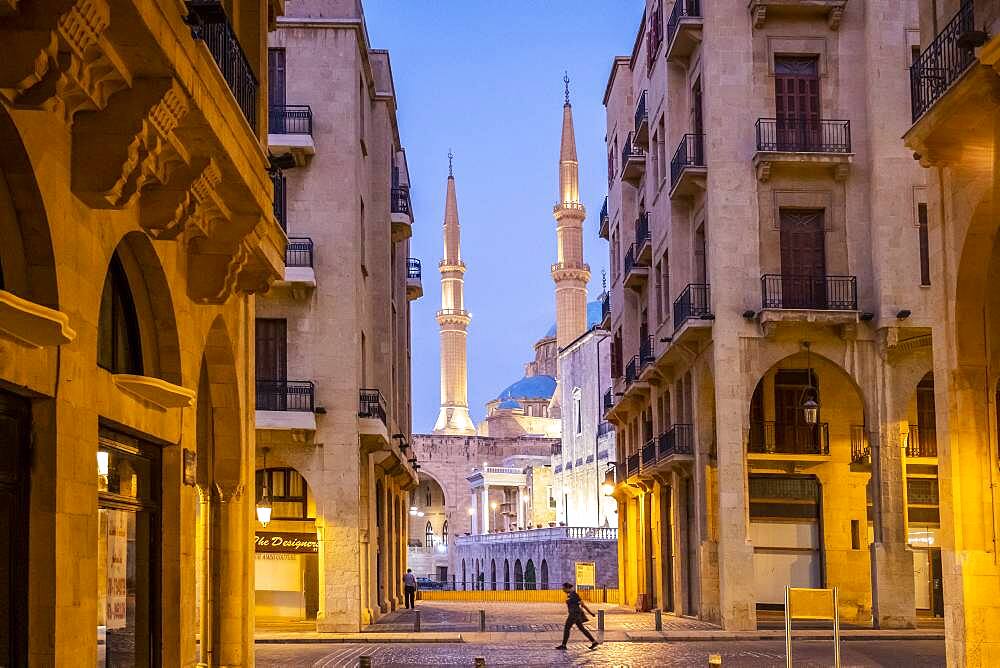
point(277, 541)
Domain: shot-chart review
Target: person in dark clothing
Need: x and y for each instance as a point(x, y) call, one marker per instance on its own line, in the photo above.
point(410, 588)
point(576, 617)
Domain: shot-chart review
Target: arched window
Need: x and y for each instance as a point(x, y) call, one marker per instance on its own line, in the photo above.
point(518, 575)
point(444, 533)
point(428, 535)
point(545, 575)
point(428, 497)
point(463, 574)
point(288, 491)
point(529, 575)
point(493, 574)
point(118, 347)
point(506, 575)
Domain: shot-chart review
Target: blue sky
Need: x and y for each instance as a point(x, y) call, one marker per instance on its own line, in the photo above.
point(485, 79)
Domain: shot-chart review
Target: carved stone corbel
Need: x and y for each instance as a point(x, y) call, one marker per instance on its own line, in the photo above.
point(198, 208)
point(227, 492)
point(764, 171)
point(841, 171)
point(759, 16)
point(131, 145)
point(834, 17)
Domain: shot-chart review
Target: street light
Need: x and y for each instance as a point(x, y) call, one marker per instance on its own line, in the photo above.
point(264, 505)
point(608, 486)
point(810, 405)
point(493, 507)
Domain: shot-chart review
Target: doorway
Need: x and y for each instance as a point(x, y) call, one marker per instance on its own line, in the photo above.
point(271, 364)
point(15, 427)
point(796, 103)
point(803, 259)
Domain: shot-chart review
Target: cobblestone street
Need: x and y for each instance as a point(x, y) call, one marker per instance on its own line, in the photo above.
point(633, 655)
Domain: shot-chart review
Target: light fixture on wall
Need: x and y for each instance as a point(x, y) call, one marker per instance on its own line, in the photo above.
point(103, 463)
point(472, 511)
point(264, 504)
point(608, 486)
point(413, 511)
point(810, 396)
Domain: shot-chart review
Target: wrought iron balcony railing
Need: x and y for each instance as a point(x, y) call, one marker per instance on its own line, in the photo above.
point(413, 269)
point(371, 404)
point(400, 200)
point(210, 24)
point(278, 181)
point(631, 152)
point(649, 452)
point(641, 116)
point(861, 450)
point(821, 293)
point(690, 153)
point(642, 235)
point(609, 400)
point(803, 135)
point(605, 306)
point(632, 370)
point(942, 62)
point(299, 252)
point(292, 119)
point(695, 301)
point(646, 356)
point(683, 9)
point(632, 260)
point(772, 437)
point(675, 441)
point(604, 427)
point(285, 395)
point(632, 464)
point(604, 211)
point(921, 442)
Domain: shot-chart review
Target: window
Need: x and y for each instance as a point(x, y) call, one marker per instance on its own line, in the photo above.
point(276, 89)
point(661, 152)
point(428, 497)
point(654, 157)
point(444, 533)
point(428, 535)
point(271, 361)
point(288, 491)
point(925, 255)
point(578, 410)
point(665, 288)
point(614, 256)
point(118, 346)
point(658, 277)
point(361, 247)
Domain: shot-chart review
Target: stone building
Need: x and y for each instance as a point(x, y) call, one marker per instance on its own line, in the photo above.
point(771, 311)
point(333, 337)
point(954, 83)
point(136, 224)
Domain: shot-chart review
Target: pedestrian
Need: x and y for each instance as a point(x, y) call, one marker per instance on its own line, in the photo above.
point(410, 588)
point(576, 617)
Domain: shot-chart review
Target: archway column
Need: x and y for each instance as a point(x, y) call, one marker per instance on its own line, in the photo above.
point(229, 574)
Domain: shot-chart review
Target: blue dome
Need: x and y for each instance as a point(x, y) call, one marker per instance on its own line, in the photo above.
point(530, 387)
point(510, 404)
point(593, 318)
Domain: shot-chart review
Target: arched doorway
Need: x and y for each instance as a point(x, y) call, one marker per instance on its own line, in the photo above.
point(465, 584)
point(493, 574)
point(518, 575)
point(529, 575)
point(506, 575)
point(545, 574)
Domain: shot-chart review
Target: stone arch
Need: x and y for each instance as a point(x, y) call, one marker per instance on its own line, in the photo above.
point(518, 575)
point(436, 489)
point(219, 406)
point(506, 575)
point(545, 575)
point(493, 574)
point(464, 575)
point(153, 306)
point(530, 577)
point(821, 353)
point(27, 260)
point(978, 263)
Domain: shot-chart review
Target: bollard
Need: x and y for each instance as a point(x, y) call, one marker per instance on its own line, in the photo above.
point(480, 662)
point(364, 662)
point(482, 621)
point(416, 621)
point(714, 659)
point(658, 619)
point(600, 620)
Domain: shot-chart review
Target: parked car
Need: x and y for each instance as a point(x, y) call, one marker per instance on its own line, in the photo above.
point(428, 583)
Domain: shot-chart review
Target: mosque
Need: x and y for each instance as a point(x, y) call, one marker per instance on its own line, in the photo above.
point(500, 476)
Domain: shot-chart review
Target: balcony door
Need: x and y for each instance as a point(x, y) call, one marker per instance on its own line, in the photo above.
point(796, 103)
point(926, 418)
point(803, 259)
point(276, 90)
point(272, 364)
point(792, 434)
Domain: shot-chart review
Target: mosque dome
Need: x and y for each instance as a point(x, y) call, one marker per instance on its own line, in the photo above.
point(509, 404)
point(529, 387)
point(593, 318)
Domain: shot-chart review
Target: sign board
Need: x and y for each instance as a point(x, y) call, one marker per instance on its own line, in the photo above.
point(812, 604)
point(586, 574)
point(280, 541)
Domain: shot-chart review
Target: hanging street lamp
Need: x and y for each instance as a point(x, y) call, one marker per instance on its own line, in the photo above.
point(810, 396)
point(264, 504)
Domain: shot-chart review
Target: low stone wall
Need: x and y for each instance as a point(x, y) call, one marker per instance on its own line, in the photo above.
point(553, 562)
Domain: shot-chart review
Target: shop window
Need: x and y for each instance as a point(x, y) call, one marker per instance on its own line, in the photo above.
point(289, 493)
point(118, 346)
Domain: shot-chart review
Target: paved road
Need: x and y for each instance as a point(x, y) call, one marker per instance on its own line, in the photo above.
point(917, 653)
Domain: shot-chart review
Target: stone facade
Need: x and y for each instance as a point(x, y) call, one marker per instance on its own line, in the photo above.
point(137, 225)
point(347, 202)
point(765, 256)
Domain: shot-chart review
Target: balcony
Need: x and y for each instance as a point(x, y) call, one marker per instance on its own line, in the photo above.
point(402, 213)
point(632, 371)
point(280, 198)
point(796, 141)
point(414, 284)
point(643, 240)
point(683, 30)
point(636, 273)
point(677, 440)
point(688, 172)
point(942, 63)
point(210, 24)
point(776, 440)
point(632, 464)
point(605, 310)
point(646, 354)
point(633, 161)
point(543, 534)
point(694, 302)
point(832, 10)
point(609, 400)
point(813, 293)
point(603, 232)
point(373, 422)
point(285, 405)
point(641, 122)
point(648, 453)
point(289, 130)
point(861, 449)
point(299, 273)
point(921, 443)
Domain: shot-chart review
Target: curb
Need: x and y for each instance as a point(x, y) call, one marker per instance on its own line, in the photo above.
point(704, 636)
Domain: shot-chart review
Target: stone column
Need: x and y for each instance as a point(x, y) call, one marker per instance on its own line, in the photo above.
point(486, 507)
point(382, 547)
point(202, 550)
point(520, 508)
point(678, 538)
point(229, 539)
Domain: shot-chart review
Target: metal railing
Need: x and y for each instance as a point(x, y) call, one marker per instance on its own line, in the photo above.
point(290, 119)
point(632, 370)
point(285, 395)
point(630, 152)
point(544, 533)
point(632, 464)
point(789, 439)
point(400, 200)
point(371, 404)
point(299, 252)
point(823, 293)
point(642, 235)
point(605, 306)
point(683, 9)
point(695, 301)
point(675, 441)
point(640, 112)
point(604, 211)
point(632, 260)
point(604, 427)
point(690, 153)
point(803, 135)
point(861, 449)
point(413, 269)
point(210, 24)
point(609, 400)
point(921, 442)
point(278, 181)
point(649, 452)
point(646, 354)
point(942, 62)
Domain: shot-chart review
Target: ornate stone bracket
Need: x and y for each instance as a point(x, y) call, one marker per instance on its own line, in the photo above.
point(32, 324)
point(227, 492)
point(199, 210)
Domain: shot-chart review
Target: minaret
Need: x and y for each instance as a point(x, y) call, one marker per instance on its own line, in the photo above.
point(570, 272)
point(454, 321)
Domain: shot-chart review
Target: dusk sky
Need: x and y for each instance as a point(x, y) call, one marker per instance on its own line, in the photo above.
point(485, 79)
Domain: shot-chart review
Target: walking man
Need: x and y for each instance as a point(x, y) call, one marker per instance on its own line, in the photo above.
point(409, 588)
point(575, 606)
